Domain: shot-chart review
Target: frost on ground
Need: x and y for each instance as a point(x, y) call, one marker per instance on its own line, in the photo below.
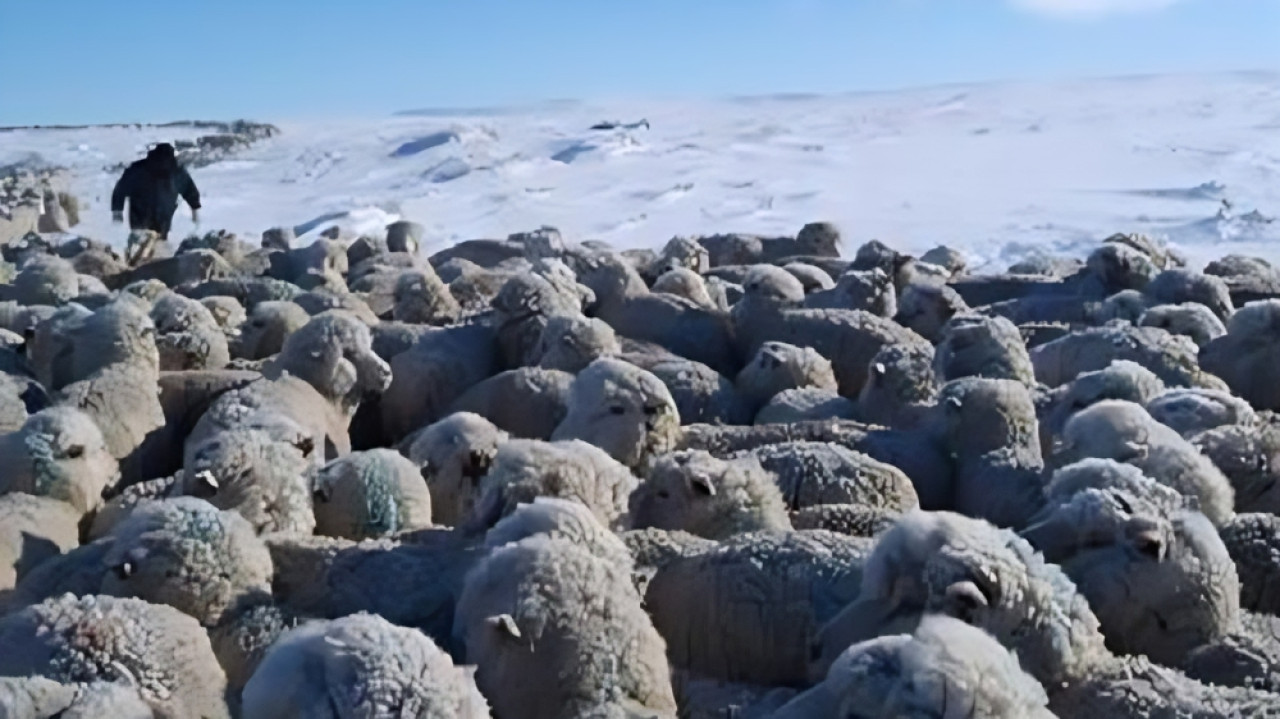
point(998, 171)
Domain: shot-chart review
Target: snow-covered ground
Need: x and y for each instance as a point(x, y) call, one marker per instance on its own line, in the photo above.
point(995, 170)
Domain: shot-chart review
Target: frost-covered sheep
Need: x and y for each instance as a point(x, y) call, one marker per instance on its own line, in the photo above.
point(1172, 358)
point(1121, 380)
point(806, 404)
point(952, 259)
point(1112, 529)
point(682, 327)
point(683, 282)
point(250, 471)
point(1192, 411)
point(370, 494)
point(814, 279)
point(521, 311)
point(1246, 357)
point(527, 402)
point(925, 309)
point(1115, 267)
point(360, 666)
point(901, 386)
point(454, 454)
point(163, 653)
point(1253, 541)
point(1178, 285)
point(421, 297)
point(187, 554)
point(816, 238)
point(849, 338)
point(333, 353)
point(187, 335)
point(46, 280)
point(748, 609)
point(1125, 432)
point(1250, 459)
point(945, 664)
point(32, 530)
point(624, 410)
point(435, 371)
point(556, 632)
point(571, 342)
point(40, 698)
point(61, 454)
point(523, 470)
point(701, 394)
point(869, 290)
point(1190, 319)
point(854, 520)
point(816, 473)
point(269, 323)
point(228, 313)
point(978, 346)
point(694, 492)
point(778, 366)
point(560, 518)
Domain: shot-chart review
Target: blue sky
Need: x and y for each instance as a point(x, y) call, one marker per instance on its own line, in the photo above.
point(81, 61)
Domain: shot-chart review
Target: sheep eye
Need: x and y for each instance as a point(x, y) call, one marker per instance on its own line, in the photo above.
point(258, 323)
point(320, 495)
point(75, 451)
point(124, 570)
point(618, 409)
point(652, 410)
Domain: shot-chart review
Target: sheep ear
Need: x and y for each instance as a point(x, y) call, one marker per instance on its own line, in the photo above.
point(1134, 450)
point(504, 623)
point(306, 444)
point(701, 484)
point(208, 480)
point(966, 599)
point(478, 464)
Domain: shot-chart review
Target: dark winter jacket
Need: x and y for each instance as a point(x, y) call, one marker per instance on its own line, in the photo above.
point(152, 186)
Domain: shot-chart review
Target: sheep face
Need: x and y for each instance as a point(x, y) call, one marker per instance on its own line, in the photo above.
point(264, 333)
point(64, 457)
point(334, 353)
point(622, 409)
point(262, 478)
point(571, 342)
point(693, 492)
point(454, 454)
point(980, 346)
point(984, 415)
point(687, 253)
point(925, 309)
point(778, 366)
point(370, 494)
point(819, 238)
point(768, 287)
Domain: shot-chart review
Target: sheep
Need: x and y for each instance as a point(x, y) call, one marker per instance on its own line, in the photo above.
point(817, 473)
point(32, 530)
point(854, 520)
point(39, 698)
point(319, 301)
point(46, 280)
point(333, 352)
point(624, 410)
point(1245, 357)
point(869, 290)
point(556, 632)
point(816, 238)
point(1192, 411)
point(263, 479)
point(435, 371)
point(1190, 319)
point(163, 653)
point(1171, 357)
point(803, 404)
point(571, 342)
point(528, 402)
point(814, 279)
point(228, 313)
point(993, 580)
point(679, 252)
point(370, 494)
point(1250, 459)
point(978, 346)
point(1115, 267)
point(269, 323)
point(953, 260)
point(849, 338)
point(1112, 529)
point(58, 453)
point(522, 470)
point(454, 454)
point(521, 311)
point(701, 394)
point(1125, 432)
point(560, 518)
point(697, 493)
point(684, 282)
point(778, 366)
point(680, 326)
point(747, 609)
point(187, 335)
point(901, 386)
point(1121, 380)
point(925, 309)
point(1177, 285)
point(1251, 540)
point(187, 554)
point(944, 664)
point(356, 666)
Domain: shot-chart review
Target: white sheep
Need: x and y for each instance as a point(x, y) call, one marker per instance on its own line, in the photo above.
point(421, 297)
point(694, 492)
point(925, 309)
point(39, 698)
point(624, 410)
point(1245, 357)
point(901, 386)
point(1250, 459)
point(870, 290)
point(557, 632)
point(267, 326)
point(1179, 285)
point(817, 473)
point(571, 342)
point(454, 454)
point(778, 366)
point(1190, 319)
point(1172, 358)
point(58, 453)
point(359, 666)
point(250, 471)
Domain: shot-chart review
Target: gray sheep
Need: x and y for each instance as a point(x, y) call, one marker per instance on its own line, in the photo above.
point(1172, 358)
point(264, 331)
point(694, 492)
point(527, 402)
point(1192, 411)
point(59, 453)
point(1121, 380)
point(925, 309)
point(370, 494)
point(1245, 358)
point(684, 282)
point(521, 311)
point(978, 346)
point(1176, 286)
point(778, 366)
point(1190, 319)
point(32, 531)
point(433, 372)
point(1125, 432)
point(869, 290)
point(39, 698)
point(805, 404)
point(901, 386)
point(360, 666)
point(165, 654)
point(259, 476)
point(454, 454)
point(817, 473)
point(566, 519)
point(624, 410)
point(421, 297)
point(1250, 459)
point(556, 632)
point(701, 394)
point(571, 342)
point(187, 335)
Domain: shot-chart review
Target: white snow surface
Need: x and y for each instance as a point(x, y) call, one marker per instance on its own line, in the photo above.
point(997, 171)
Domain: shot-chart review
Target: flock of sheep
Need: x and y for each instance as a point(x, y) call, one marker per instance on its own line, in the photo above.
point(742, 477)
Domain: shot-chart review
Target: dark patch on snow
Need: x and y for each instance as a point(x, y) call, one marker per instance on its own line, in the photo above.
point(422, 144)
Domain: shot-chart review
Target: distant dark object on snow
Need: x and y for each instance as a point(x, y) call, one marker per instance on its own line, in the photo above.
point(614, 125)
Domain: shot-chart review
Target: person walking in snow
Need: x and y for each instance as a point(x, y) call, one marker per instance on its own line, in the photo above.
point(152, 186)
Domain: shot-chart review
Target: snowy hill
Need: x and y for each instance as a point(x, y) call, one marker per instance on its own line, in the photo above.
point(995, 170)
